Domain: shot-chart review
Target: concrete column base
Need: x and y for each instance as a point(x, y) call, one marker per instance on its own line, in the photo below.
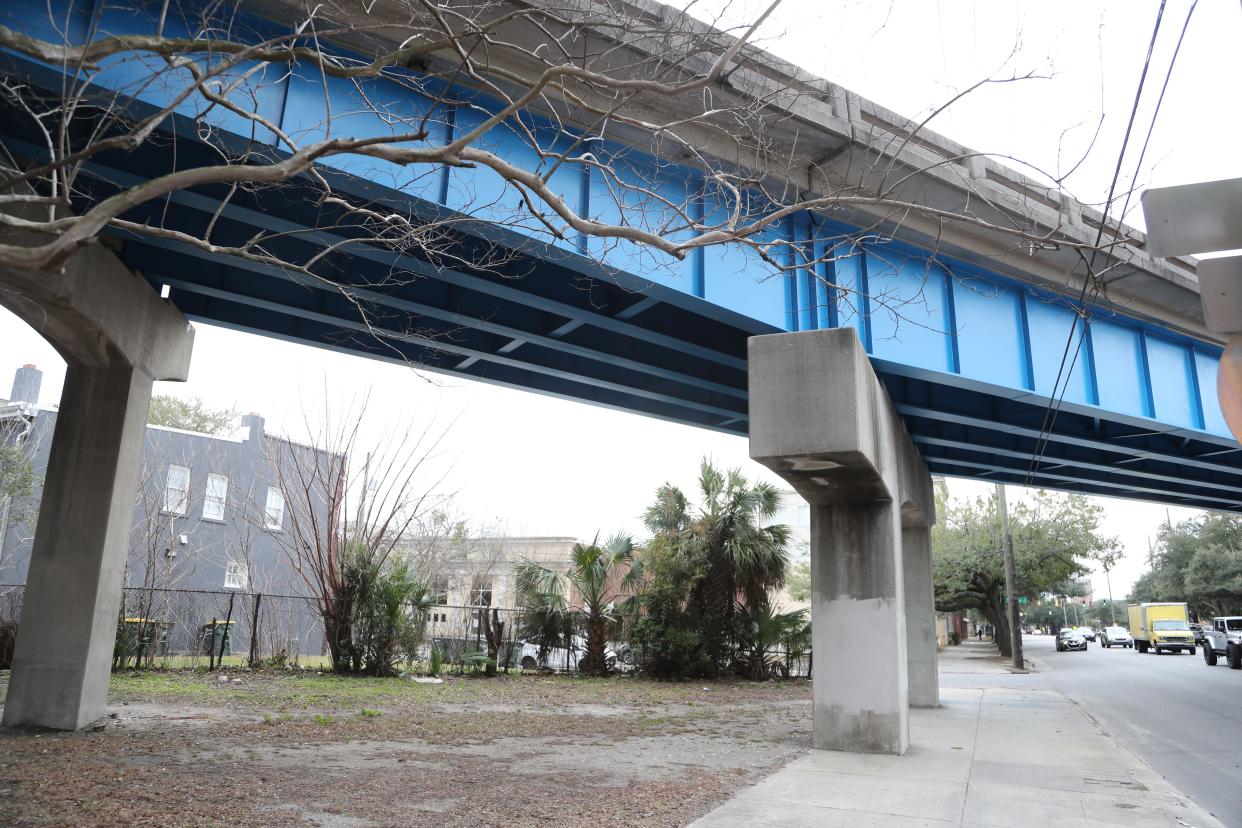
point(63, 655)
point(858, 623)
point(820, 418)
point(920, 592)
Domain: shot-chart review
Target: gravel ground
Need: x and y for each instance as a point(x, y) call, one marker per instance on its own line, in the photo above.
point(284, 749)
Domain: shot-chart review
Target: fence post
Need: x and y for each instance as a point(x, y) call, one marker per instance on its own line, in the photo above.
point(254, 631)
point(224, 639)
point(211, 648)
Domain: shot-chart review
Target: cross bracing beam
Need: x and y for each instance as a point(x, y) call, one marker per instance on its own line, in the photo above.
point(913, 413)
point(1110, 473)
point(149, 262)
point(965, 467)
point(329, 334)
point(437, 344)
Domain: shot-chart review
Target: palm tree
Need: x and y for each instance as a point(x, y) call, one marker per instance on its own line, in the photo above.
point(598, 580)
point(743, 558)
point(765, 633)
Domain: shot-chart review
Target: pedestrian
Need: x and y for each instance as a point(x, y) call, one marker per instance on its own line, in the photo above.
point(979, 631)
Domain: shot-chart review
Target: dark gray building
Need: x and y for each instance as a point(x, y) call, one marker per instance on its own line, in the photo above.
point(210, 513)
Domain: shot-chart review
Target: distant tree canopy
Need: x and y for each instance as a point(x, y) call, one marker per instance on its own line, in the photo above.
point(1198, 561)
point(798, 582)
point(1055, 537)
point(190, 414)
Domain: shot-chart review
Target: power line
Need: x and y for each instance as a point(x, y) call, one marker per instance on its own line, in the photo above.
point(1090, 282)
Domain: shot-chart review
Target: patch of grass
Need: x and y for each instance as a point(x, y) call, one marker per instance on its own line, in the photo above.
point(368, 713)
point(322, 719)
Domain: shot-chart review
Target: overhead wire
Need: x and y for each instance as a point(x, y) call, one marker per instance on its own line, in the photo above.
point(1091, 284)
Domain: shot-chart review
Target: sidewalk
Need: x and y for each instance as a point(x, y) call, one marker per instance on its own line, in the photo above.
point(988, 757)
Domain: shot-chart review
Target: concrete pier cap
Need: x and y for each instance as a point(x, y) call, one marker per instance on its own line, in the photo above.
point(821, 419)
point(117, 336)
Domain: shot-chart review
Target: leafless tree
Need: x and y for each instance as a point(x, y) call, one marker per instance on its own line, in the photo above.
point(345, 503)
point(573, 86)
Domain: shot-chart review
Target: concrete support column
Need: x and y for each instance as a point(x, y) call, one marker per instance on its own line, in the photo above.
point(820, 418)
point(63, 656)
point(924, 678)
point(858, 630)
point(117, 335)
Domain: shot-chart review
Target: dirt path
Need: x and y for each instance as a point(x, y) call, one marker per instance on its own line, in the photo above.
point(280, 749)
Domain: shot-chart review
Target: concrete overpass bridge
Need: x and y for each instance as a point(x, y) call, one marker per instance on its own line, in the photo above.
point(922, 345)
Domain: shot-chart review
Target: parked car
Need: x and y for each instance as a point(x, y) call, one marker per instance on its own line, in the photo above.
point(1086, 632)
point(1070, 639)
point(560, 658)
point(1115, 637)
point(1198, 630)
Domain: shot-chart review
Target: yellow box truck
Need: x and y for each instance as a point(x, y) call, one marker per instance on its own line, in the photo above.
point(1161, 627)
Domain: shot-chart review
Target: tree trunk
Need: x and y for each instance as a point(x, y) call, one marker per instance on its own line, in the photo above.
point(996, 615)
point(493, 633)
point(593, 663)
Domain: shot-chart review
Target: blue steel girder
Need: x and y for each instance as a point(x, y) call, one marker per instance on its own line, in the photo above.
point(970, 357)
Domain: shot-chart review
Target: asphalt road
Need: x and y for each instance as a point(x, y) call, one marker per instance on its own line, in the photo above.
point(1183, 717)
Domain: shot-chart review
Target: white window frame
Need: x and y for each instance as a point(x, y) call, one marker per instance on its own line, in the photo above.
point(177, 498)
point(439, 589)
point(235, 576)
point(274, 518)
point(478, 588)
point(215, 497)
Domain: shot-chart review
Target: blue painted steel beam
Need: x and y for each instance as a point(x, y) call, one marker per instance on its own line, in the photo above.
point(438, 344)
point(424, 351)
point(970, 357)
point(150, 263)
point(1137, 453)
point(1048, 464)
point(1072, 482)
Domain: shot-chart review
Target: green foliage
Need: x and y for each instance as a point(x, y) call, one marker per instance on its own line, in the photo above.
point(369, 713)
point(389, 613)
point(1198, 561)
point(667, 629)
point(190, 414)
point(379, 617)
point(764, 634)
point(1055, 537)
point(436, 663)
point(18, 481)
point(586, 596)
point(708, 569)
point(322, 719)
point(798, 583)
point(475, 662)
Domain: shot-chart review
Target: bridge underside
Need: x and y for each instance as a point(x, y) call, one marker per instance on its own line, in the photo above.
point(485, 302)
point(556, 322)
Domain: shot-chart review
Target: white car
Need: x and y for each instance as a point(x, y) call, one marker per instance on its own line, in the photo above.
point(562, 659)
point(1116, 637)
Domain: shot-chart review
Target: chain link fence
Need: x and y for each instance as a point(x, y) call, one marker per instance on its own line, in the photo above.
point(171, 628)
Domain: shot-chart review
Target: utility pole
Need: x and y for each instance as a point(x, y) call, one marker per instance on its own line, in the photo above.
point(1011, 579)
point(1112, 610)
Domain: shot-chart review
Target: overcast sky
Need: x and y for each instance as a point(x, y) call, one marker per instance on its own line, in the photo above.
point(537, 465)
